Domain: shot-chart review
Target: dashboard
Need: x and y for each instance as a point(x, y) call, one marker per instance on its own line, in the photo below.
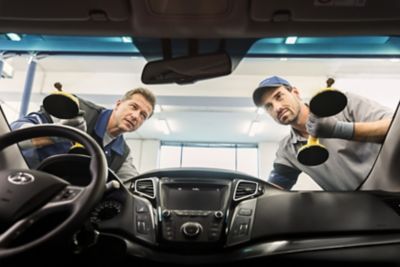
point(203, 216)
point(185, 207)
point(211, 215)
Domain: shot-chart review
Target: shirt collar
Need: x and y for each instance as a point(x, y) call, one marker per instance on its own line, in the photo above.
point(118, 145)
point(295, 137)
point(101, 127)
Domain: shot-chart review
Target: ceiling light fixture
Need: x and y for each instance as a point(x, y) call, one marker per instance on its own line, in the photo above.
point(157, 108)
point(255, 128)
point(7, 71)
point(163, 125)
point(260, 110)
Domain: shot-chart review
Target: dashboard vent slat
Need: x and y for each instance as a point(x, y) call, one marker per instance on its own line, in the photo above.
point(245, 189)
point(145, 187)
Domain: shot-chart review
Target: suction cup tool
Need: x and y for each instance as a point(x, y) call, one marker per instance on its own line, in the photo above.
point(312, 153)
point(328, 102)
point(61, 104)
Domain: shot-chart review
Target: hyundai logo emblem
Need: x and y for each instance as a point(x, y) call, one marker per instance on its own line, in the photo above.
point(21, 178)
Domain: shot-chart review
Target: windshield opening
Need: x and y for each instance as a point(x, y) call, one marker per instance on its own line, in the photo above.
point(219, 111)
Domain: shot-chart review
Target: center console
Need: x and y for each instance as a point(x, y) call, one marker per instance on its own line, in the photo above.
point(191, 211)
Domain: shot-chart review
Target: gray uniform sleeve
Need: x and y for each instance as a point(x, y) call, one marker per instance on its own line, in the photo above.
point(283, 154)
point(127, 170)
point(362, 109)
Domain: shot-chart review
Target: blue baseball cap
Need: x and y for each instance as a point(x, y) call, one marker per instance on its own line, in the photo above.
point(268, 83)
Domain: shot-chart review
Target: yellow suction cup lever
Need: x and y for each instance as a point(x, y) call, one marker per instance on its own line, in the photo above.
point(78, 148)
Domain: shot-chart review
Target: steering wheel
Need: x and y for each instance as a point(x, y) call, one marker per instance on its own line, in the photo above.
point(27, 196)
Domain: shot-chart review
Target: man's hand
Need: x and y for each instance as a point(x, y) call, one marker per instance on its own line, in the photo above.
point(329, 127)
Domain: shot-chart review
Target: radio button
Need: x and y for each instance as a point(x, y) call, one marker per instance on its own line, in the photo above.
point(245, 212)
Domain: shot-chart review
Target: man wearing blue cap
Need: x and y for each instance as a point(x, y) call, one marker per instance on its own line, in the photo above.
point(352, 136)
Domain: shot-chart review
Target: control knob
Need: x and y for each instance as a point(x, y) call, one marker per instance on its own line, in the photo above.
point(218, 214)
point(166, 214)
point(191, 229)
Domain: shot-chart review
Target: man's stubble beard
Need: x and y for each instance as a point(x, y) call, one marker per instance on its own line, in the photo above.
point(295, 119)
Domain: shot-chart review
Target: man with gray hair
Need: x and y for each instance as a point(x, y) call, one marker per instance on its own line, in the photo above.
point(106, 126)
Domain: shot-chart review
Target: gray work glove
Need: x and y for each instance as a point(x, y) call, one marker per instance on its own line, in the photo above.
point(329, 127)
point(77, 122)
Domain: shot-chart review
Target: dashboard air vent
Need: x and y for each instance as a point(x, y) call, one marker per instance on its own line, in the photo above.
point(145, 187)
point(245, 189)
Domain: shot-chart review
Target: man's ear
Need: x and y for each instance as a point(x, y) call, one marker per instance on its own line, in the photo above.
point(296, 92)
point(119, 101)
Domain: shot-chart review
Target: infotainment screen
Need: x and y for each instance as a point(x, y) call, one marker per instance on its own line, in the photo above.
point(185, 196)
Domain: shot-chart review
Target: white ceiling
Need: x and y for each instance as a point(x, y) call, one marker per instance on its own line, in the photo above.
point(216, 110)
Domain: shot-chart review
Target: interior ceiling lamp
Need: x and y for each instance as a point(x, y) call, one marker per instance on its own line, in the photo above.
point(291, 40)
point(126, 39)
point(13, 36)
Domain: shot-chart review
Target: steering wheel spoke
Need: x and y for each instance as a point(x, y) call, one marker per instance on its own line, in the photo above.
point(69, 197)
point(33, 195)
point(66, 201)
point(15, 231)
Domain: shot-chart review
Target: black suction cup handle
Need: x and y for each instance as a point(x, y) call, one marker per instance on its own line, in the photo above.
point(313, 155)
point(328, 102)
point(61, 105)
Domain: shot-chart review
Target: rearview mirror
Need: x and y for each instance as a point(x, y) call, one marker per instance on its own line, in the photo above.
point(187, 69)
